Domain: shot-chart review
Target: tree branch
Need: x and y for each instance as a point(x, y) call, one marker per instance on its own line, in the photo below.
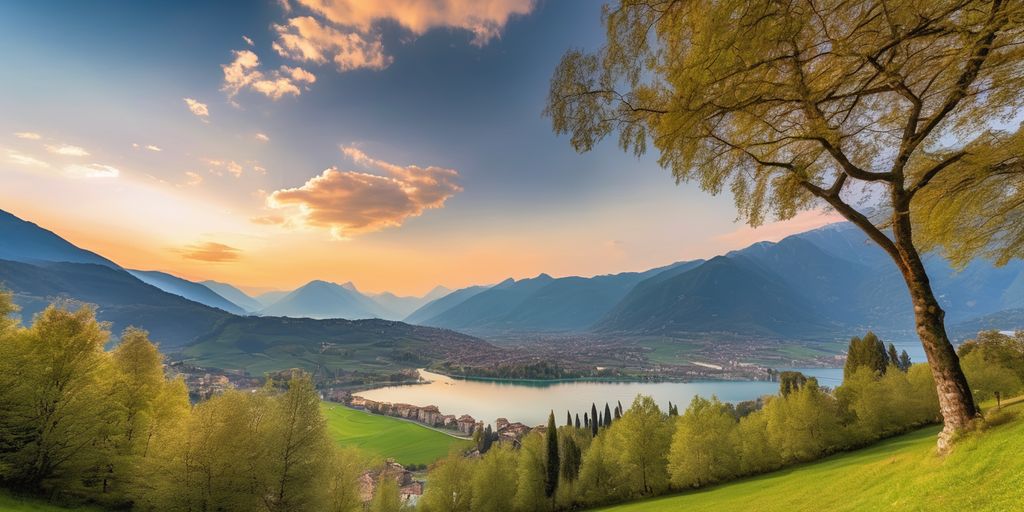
point(935, 170)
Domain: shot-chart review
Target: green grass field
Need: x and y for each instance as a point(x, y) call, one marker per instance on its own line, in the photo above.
point(10, 503)
point(384, 437)
point(984, 473)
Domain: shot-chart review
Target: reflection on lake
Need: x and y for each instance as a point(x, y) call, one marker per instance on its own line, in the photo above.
point(530, 402)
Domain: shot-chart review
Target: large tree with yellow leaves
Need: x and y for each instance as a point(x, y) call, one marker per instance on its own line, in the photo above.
point(858, 106)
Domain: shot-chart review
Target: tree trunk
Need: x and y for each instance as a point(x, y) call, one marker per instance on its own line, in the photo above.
point(955, 400)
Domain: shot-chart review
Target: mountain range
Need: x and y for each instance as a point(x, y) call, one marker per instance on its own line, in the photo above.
point(829, 282)
point(38, 268)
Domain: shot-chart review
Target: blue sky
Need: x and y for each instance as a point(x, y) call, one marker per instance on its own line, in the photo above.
point(443, 99)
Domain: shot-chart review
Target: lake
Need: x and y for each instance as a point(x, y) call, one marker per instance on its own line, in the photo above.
point(530, 402)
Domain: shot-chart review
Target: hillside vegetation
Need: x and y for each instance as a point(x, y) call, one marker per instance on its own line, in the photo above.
point(985, 472)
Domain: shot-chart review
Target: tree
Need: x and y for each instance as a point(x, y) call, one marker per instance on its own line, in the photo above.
point(578, 421)
point(450, 488)
point(893, 357)
point(531, 471)
point(804, 424)
point(570, 457)
point(791, 381)
point(643, 436)
point(799, 105)
point(59, 416)
point(492, 490)
point(568, 419)
point(298, 449)
point(702, 446)
point(905, 362)
point(607, 415)
point(974, 209)
point(342, 479)
point(138, 382)
point(593, 420)
point(869, 352)
point(551, 462)
point(989, 376)
point(386, 497)
point(600, 478)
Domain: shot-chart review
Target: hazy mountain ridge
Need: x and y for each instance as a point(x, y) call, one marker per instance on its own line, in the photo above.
point(190, 290)
point(29, 243)
point(233, 294)
point(321, 299)
point(843, 282)
point(121, 298)
point(828, 281)
point(210, 334)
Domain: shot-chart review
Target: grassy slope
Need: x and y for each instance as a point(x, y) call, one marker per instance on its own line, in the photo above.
point(385, 437)
point(985, 472)
point(10, 503)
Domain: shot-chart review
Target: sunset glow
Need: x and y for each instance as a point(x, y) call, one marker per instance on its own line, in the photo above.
point(390, 145)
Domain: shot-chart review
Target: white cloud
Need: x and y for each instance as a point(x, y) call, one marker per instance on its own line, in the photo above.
point(353, 202)
point(67, 150)
point(197, 108)
point(219, 166)
point(262, 137)
point(28, 135)
point(153, 148)
point(193, 179)
point(26, 160)
point(248, 41)
point(485, 19)
point(243, 72)
point(92, 171)
point(306, 39)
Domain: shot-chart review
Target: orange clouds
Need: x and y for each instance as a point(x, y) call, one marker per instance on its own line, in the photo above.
point(244, 72)
point(305, 39)
point(484, 18)
point(352, 202)
point(212, 252)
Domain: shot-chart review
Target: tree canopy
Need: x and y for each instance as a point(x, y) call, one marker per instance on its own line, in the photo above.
point(874, 109)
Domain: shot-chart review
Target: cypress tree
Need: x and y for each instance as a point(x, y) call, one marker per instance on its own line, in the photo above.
point(551, 477)
point(607, 415)
point(577, 420)
point(893, 356)
point(487, 439)
point(586, 421)
point(568, 419)
point(905, 361)
point(593, 419)
point(571, 459)
point(618, 411)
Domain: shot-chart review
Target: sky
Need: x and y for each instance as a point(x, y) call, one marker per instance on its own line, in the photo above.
point(397, 144)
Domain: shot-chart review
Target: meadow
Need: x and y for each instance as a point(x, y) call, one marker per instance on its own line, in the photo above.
point(984, 473)
point(386, 437)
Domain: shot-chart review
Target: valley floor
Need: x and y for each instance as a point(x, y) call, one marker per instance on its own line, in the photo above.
point(984, 473)
point(386, 437)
